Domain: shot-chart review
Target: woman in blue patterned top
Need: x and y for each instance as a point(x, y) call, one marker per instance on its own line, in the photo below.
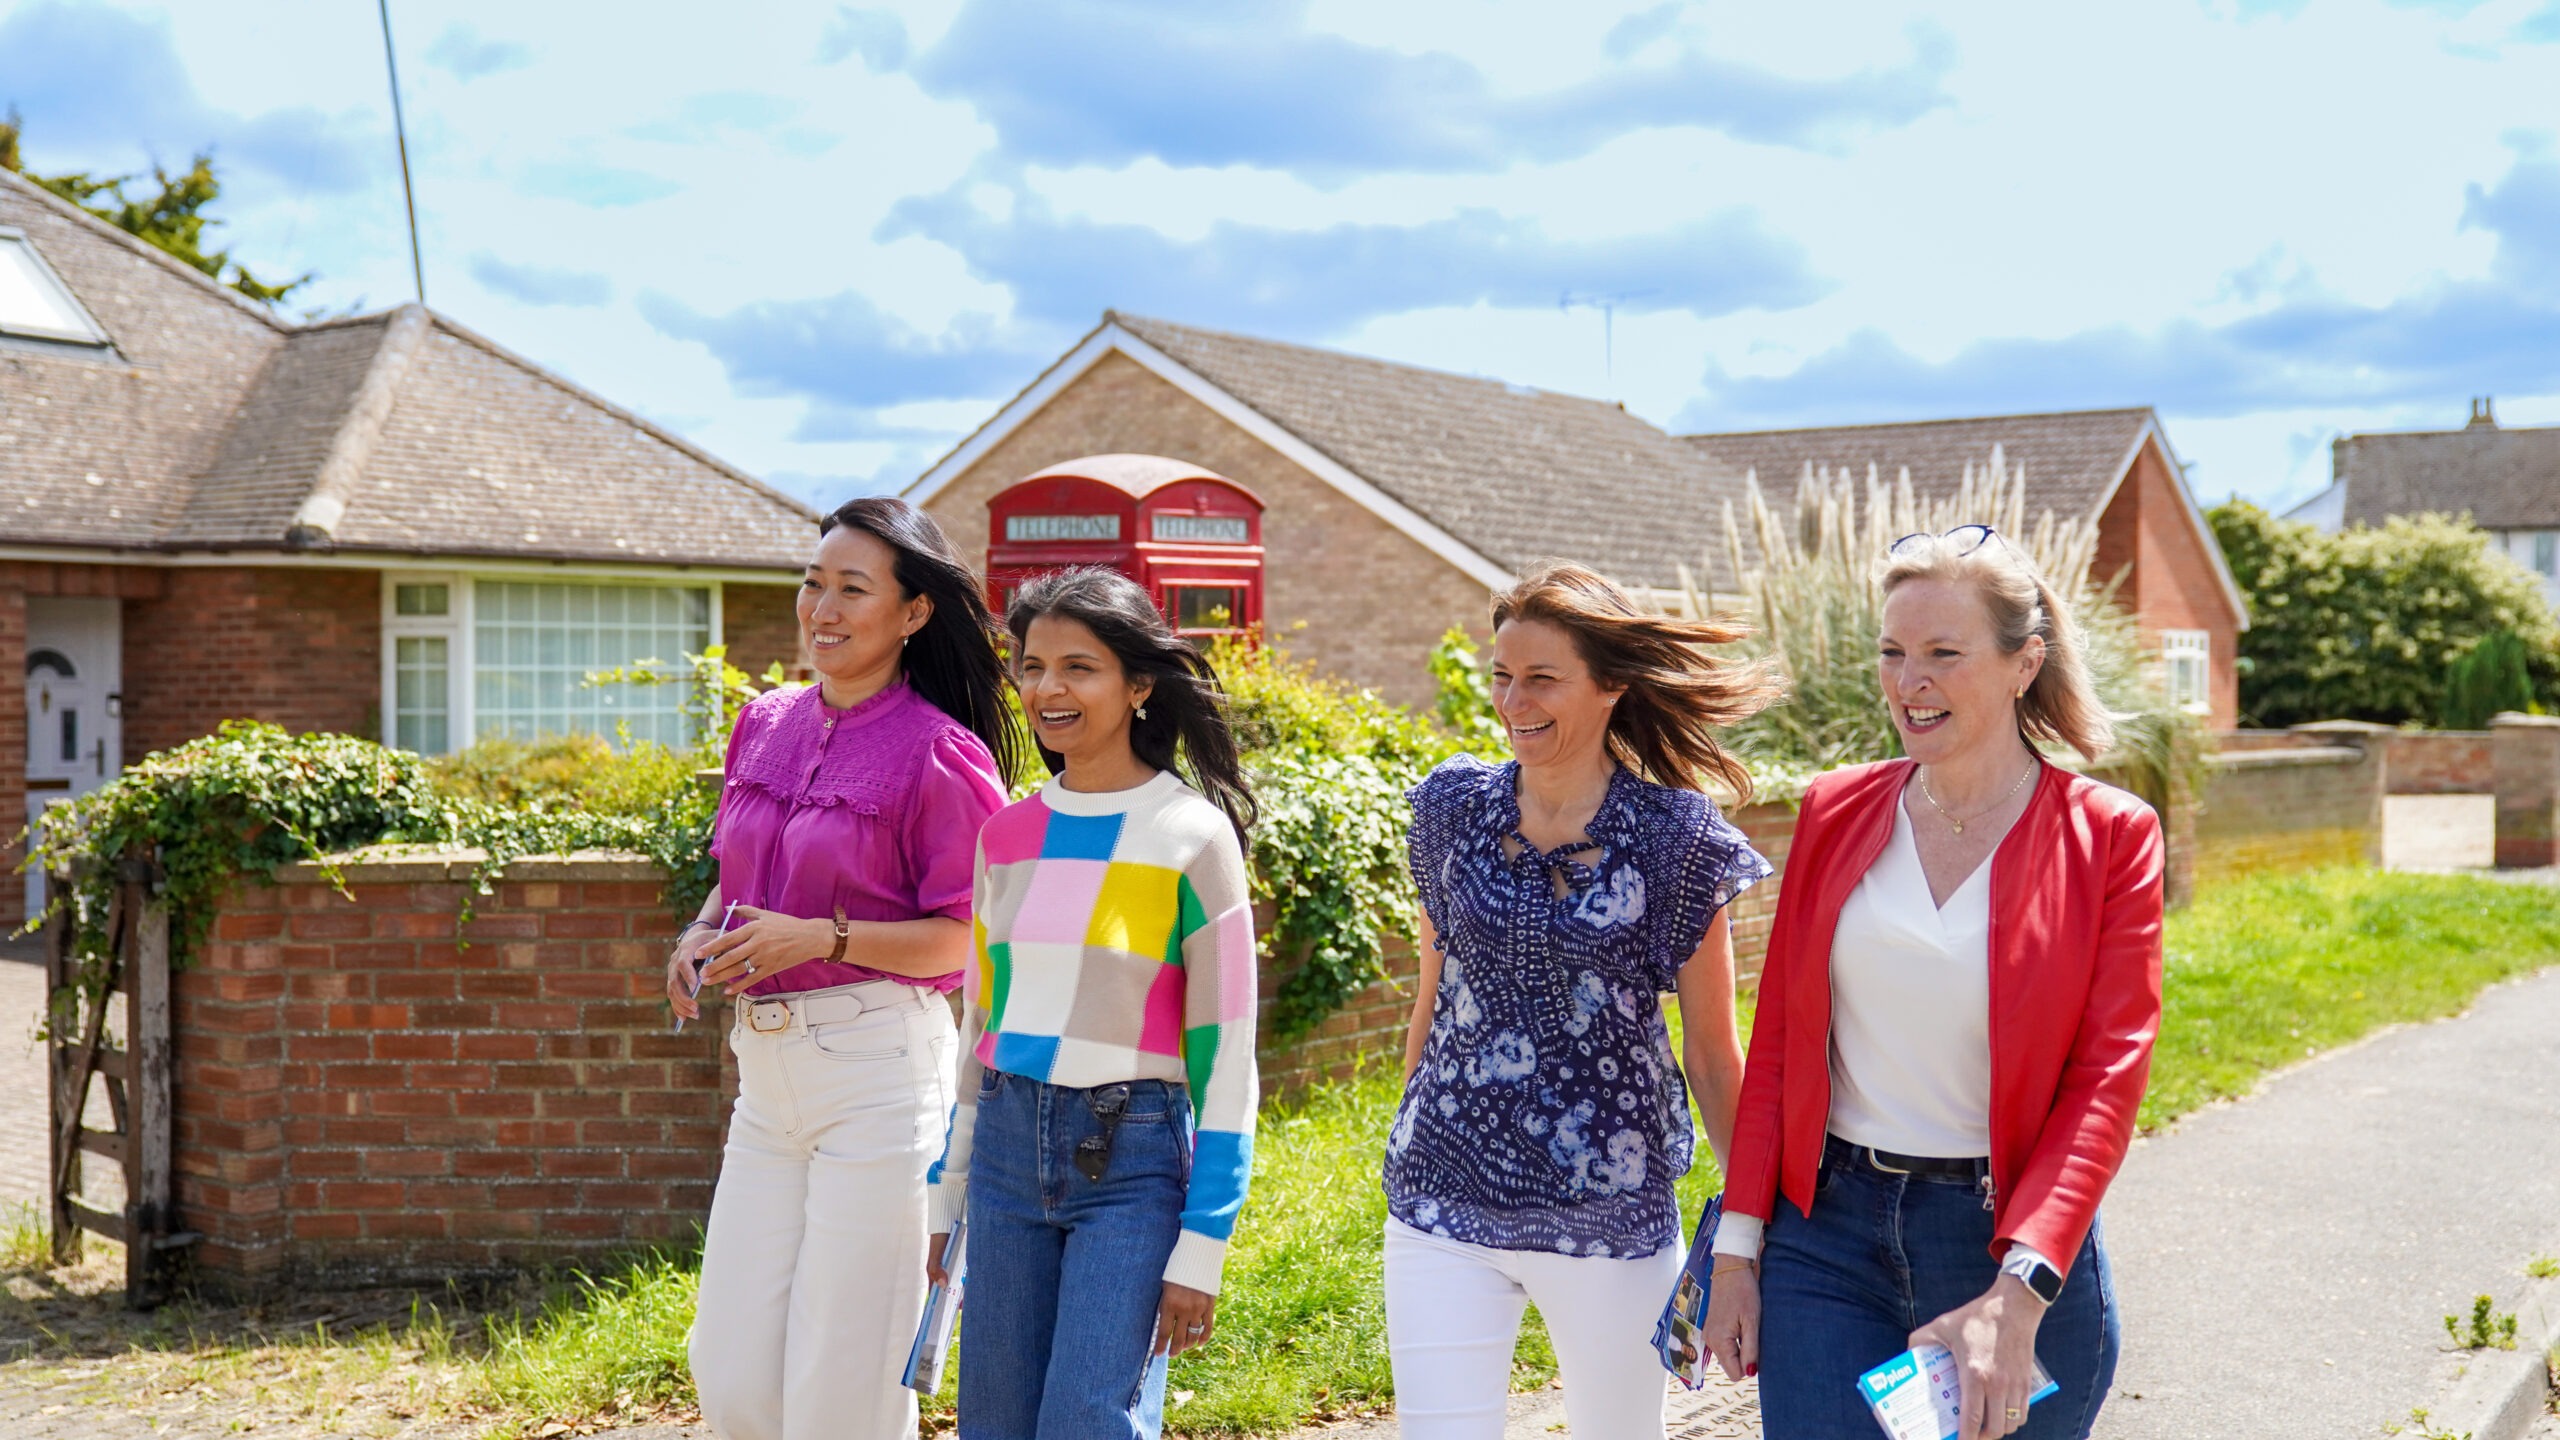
point(1544, 1118)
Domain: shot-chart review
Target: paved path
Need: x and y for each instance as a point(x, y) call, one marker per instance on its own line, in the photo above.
point(22, 1084)
point(2284, 1263)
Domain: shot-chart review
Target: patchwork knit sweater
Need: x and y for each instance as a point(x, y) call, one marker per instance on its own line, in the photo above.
point(1115, 943)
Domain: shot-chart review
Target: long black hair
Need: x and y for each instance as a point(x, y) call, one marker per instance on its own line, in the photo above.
point(953, 660)
point(1186, 712)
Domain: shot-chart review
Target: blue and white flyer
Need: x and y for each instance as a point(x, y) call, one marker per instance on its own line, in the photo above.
point(1915, 1394)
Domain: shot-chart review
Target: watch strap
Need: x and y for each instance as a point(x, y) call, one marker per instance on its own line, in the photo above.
point(2040, 1278)
point(844, 932)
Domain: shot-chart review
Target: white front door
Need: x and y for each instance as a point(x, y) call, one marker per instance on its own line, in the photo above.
point(75, 740)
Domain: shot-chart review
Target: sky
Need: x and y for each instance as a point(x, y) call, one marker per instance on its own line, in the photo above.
point(825, 242)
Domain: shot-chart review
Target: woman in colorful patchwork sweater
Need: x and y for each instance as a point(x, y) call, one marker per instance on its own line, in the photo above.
point(1110, 1011)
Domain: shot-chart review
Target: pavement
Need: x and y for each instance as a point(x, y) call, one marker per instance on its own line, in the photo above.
point(22, 1082)
point(2284, 1263)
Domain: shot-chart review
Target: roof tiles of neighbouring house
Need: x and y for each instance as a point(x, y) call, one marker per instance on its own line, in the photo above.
point(208, 423)
point(1515, 474)
point(2505, 479)
point(2072, 458)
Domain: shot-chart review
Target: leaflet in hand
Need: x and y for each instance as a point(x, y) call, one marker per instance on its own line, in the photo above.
point(941, 1312)
point(1915, 1394)
point(1676, 1336)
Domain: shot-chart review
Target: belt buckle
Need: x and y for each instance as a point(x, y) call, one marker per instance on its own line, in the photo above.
point(779, 1011)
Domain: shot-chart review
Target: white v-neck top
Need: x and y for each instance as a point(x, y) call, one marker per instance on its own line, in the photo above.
point(1911, 1009)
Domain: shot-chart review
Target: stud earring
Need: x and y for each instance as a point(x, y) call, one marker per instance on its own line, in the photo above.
point(2022, 692)
point(1142, 712)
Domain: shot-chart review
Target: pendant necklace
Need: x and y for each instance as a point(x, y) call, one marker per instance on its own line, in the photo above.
point(1978, 814)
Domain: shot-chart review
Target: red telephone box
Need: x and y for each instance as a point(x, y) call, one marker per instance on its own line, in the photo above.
point(1192, 537)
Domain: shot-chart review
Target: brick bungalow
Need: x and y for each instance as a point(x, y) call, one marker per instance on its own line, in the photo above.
point(384, 525)
point(1397, 498)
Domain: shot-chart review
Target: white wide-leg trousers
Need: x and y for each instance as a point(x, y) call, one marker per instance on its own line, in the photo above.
point(1453, 1318)
point(813, 1265)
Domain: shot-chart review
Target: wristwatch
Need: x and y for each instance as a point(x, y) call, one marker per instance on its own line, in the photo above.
point(2041, 1279)
point(844, 932)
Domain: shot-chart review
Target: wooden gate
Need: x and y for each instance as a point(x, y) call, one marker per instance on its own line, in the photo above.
point(132, 1069)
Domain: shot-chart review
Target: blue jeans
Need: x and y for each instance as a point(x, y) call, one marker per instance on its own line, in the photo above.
point(1066, 1274)
point(1881, 1255)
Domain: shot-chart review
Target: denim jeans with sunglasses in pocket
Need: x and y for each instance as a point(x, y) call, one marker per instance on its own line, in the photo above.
point(1066, 1273)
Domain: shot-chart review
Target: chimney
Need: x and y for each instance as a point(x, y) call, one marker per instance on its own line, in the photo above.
point(2481, 419)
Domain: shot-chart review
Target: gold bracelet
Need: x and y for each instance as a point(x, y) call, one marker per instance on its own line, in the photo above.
point(1736, 1265)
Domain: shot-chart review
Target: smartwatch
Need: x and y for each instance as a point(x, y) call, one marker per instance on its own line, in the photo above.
point(2041, 1279)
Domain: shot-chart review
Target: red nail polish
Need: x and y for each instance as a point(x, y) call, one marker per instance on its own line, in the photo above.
point(1750, 1371)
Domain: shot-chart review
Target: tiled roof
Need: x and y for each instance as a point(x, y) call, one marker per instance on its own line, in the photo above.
point(2505, 479)
point(2072, 459)
point(213, 425)
point(1516, 474)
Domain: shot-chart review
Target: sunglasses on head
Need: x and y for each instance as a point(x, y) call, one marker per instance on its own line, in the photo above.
point(1964, 539)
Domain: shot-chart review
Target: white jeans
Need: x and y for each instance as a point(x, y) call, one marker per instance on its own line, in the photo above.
point(813, 1266)
point(1453, 1318)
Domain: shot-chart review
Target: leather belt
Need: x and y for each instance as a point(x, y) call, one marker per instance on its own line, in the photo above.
point(773, 1014)
point(1894, 1164)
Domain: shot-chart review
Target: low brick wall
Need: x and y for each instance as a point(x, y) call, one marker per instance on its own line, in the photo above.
point(2528, 770)
point(2439, 762)
point(365, 1095)
point(1370, 1029)
point(2275, 809)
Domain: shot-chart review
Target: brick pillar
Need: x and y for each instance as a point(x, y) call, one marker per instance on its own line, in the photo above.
point(13, 746)
point(230, 1143)
point(2527, 759)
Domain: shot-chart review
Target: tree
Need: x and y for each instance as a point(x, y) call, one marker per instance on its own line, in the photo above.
point(2364, 624)
point(173, 219)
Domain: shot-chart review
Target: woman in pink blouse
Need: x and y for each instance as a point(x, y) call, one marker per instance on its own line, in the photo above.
point(846, 839)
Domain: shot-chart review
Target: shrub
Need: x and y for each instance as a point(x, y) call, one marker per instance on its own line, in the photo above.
point(2363, 624)
point(2485, 680)
point(585, 770)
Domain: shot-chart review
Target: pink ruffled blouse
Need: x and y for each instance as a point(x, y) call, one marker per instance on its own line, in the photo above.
point(874, 810)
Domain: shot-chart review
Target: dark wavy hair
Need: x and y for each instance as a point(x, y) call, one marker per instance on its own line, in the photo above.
point(1677, 694)
point(953, 661)
point(1186, 711)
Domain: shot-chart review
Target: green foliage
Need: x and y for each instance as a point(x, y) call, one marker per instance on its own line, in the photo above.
point(1464, 703)
point(2487, 1330)
point(1330, 766)
point(609, 1343)
point(2363, 624)
point(583, 770)
point(2486, 680)
point(172, 218)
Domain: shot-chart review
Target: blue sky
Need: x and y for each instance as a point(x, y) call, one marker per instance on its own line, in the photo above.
point(825, 241)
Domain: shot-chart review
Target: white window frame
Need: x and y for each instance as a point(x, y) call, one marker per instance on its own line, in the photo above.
point(94, 337)
point(460, 630)
point(2180, 649)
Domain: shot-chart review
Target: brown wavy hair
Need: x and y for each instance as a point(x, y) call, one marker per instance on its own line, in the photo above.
point(1677, 694)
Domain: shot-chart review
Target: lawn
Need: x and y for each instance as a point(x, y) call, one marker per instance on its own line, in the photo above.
point(2259, 974)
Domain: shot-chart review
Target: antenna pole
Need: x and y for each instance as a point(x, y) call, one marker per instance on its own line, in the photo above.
point(400, 129)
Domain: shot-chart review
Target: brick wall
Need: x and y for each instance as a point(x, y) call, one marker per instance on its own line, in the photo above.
point(2276, 809)
point(299, 647)
point(760, 626)
point(1341, 587)
point(361, 1097)
point(2439, 762)
point(2528, 781)
point(1370, 1028)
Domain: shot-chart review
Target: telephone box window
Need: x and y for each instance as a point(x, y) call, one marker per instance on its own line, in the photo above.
point(1204, 607)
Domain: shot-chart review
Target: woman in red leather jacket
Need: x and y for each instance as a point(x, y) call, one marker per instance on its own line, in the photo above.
point(1953, 1033)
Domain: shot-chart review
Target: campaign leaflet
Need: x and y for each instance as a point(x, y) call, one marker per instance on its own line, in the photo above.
point(1915, 1394)
point(941, 1311)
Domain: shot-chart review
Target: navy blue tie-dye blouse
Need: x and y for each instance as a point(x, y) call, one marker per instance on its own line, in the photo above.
point(1548, 1112)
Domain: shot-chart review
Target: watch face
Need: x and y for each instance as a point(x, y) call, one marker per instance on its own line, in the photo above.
point(2045, 1281)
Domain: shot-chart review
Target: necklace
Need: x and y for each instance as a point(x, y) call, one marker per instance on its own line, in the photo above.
point(1978, 814)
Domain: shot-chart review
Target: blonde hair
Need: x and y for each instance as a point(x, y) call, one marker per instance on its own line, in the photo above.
point(1677, 695)
point(2061, 704)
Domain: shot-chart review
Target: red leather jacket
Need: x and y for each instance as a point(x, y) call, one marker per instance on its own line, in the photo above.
point(2075, 999)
